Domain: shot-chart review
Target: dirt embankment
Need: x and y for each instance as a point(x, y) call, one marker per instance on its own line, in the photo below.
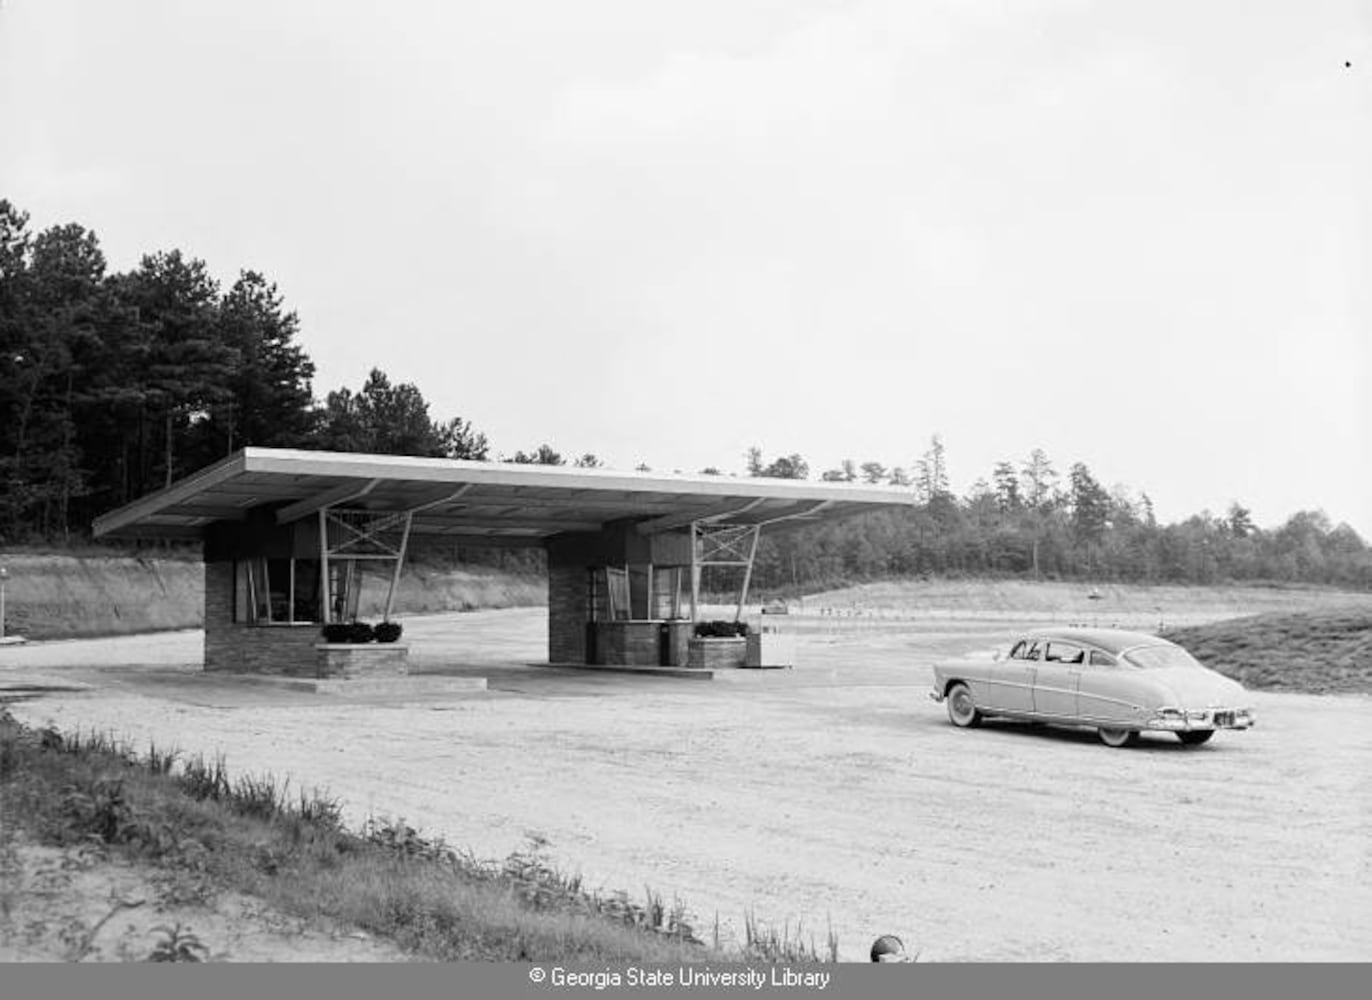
point(429, 589)
point(1061, 602)
point(62, 597)
point(50, 596)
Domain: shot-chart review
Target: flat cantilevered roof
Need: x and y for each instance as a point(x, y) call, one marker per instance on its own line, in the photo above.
point(496, 502)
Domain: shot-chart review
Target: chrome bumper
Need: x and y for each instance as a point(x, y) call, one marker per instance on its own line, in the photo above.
point(1202, 719)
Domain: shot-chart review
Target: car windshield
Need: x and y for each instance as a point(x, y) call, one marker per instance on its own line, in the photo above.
point(1160, 657)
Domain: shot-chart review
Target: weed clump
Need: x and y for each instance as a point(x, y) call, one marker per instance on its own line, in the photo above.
point(177, 943)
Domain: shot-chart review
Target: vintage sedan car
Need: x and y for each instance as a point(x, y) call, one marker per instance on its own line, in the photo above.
point(1119, 683)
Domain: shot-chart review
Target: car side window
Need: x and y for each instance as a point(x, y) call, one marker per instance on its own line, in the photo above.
point(1099, 659)
point(1018, 652)
point(1032, 653)
point(1061, 652)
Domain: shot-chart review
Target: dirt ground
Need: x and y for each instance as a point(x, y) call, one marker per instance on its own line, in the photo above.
point(834, 794)
point(72, 907)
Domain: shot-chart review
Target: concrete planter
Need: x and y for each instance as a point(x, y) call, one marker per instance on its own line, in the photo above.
point(716, 654)
point(362, 659)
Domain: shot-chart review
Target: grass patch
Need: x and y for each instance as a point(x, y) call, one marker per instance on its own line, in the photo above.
point(1309, 652)
point(206, 831)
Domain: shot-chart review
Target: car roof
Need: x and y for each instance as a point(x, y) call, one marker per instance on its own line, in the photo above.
point(1112, 640)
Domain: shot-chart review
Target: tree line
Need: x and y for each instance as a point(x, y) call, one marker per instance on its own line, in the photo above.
point(1026, 519)
point(115, 384)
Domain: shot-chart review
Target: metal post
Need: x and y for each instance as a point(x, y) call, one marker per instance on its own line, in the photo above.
point(252, 590)
point(399, 564)
point(747, 573)
point(695, 574)
point(4, 575)
point(267, 586)
point(324, 589)
point(351, 586)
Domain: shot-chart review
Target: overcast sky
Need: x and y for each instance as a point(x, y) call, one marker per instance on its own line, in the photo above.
point(1133, 235)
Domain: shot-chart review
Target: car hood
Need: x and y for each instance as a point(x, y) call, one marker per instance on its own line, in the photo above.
point(1192, 688)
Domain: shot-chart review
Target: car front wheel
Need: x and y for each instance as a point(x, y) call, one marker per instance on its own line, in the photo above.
point(1195, 737)
point(1118, 737)
point(962, 710)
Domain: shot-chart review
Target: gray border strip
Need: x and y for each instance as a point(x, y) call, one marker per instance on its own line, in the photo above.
point(508, 981)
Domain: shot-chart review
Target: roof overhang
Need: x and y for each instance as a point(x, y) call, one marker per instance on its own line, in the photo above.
point(498, 502)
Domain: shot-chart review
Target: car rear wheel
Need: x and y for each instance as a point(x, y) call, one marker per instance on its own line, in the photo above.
point(1118, 737)
point(962, 710)
point(1195, 737)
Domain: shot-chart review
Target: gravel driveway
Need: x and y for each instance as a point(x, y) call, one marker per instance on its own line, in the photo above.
point(834, 794)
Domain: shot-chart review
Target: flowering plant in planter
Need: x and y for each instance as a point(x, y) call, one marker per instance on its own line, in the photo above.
point(336, 632)
point(387, 632)
point(721, 630)
point(347, 632)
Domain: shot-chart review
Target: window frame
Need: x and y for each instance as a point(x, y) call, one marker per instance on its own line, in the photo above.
point(256, 591)
point(1078, 648)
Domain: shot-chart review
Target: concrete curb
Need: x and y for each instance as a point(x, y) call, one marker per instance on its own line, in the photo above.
point(402, 684)
point(693, 673)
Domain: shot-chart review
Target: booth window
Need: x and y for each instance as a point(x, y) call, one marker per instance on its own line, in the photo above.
point(276, 591)
point(617, 589)
point(635, 593)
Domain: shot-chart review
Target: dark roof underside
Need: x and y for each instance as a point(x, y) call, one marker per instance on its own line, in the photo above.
point(502, 503)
